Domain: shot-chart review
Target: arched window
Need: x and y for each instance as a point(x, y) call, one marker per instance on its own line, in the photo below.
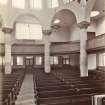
point(28, 31)
point(67, 1)
point(53, 3)
point(4, 2)
point(18, 4)
point(37, 4)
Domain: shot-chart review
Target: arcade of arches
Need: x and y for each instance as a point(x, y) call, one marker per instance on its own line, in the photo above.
point(55, 46)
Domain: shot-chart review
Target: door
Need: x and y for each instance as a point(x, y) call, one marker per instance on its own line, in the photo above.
point(29, 62)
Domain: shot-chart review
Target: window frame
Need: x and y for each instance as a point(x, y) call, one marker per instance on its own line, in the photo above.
point(27, 35)
point(18, 64)
point(33, 6)
point(51, 4)
point(3, 2)
point(17, 6)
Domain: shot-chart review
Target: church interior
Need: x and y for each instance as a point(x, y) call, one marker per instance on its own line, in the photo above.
point(52, 52)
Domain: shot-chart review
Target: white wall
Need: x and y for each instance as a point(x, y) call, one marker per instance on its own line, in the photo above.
point(100, 26)
point(101, 59)
point(92, 27)
point(75, 31)
point(59, 36)
point(62, 35)
point(92, 61)
point(1, 36)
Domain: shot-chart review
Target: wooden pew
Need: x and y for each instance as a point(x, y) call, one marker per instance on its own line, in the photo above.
point(67, 100)
point(9, 87)
point(65, 88)
point(103, 101)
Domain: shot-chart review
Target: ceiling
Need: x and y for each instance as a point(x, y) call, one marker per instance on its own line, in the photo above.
point(66, 18)
point(99, 6)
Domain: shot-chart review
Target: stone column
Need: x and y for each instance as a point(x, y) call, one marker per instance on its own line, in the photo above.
point(7, 33)
point(83, 46)
point(83, 3)
point(47, 43)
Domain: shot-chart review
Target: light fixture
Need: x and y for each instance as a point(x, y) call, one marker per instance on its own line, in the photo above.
point(94, 13)
point(55, 27)
point(56, 21)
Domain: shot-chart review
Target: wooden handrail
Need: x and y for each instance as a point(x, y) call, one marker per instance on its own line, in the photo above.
point(102, 35)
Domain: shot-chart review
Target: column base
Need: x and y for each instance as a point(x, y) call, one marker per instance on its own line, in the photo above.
point(47, 70)
point(8, 69)
point(83, 75)
point(83, 72)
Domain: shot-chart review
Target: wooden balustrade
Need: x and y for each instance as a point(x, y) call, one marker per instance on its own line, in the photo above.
point(97, 43)
point(65, 47)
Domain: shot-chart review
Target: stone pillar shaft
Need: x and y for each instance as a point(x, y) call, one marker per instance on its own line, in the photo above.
point(83, 52)
point(47, 66)
point(8, 57)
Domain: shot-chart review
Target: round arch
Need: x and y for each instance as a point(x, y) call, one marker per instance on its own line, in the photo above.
point(70, 7)
point(21, 16)
point(65, 15)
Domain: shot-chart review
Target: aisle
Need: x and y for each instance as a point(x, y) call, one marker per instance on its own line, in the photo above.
point(26, 94)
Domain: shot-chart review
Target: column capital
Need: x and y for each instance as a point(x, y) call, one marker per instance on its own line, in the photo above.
point(83, 3)
point(83, 24)
point(47, 31)
point(7, 30)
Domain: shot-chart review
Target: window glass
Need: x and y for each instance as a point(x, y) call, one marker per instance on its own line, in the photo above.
point(67, 1)
point(38, 60)
point(104, 59)
point(18, 4)
point(12, 61)
point(4, 2)
point(66, 59)
point(52, 60)
point(55, 59)
point(19, 60)
point(28, 31)
point(53, 3)
point(2, 60)
point(37, 4)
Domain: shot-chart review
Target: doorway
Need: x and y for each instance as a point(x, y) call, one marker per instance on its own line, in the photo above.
point(29, 63)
